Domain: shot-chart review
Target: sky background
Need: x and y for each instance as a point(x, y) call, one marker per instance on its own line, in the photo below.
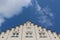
point(45, 13)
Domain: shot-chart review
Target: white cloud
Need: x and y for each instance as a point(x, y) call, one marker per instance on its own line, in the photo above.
point(46, 15)
point(9, 8)
point(38, 8)
point(48, 11)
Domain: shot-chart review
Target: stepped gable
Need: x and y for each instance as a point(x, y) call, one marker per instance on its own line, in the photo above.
point(29, 31)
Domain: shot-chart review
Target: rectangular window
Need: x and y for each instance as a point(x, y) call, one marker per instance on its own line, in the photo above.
point(29, 34)
point(15, 35)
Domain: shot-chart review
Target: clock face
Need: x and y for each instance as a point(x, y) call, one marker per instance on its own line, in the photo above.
point(41, 12)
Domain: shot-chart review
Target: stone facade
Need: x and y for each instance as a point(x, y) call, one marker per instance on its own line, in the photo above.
point(29, 31)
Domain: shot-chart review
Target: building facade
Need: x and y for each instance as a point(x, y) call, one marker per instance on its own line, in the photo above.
point(29, 31)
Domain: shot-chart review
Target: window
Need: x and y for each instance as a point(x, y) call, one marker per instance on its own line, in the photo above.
point(59, 37)
point(54, 37)
point(2, 37)
point(39, 30)
point(15, 35)
point(29, 34)
point(42, 35)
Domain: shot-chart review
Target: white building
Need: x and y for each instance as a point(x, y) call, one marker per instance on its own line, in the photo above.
point(29, 31)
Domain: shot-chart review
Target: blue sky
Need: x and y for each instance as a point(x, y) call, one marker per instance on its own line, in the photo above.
point(55, 7)
point(28, 13)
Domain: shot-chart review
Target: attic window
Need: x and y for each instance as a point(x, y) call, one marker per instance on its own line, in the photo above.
point(41, 33)
point(2, 37)
point(29, 35)
point(54, 37)
point(15, 35)
point(39, 30)
point(59, 37)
